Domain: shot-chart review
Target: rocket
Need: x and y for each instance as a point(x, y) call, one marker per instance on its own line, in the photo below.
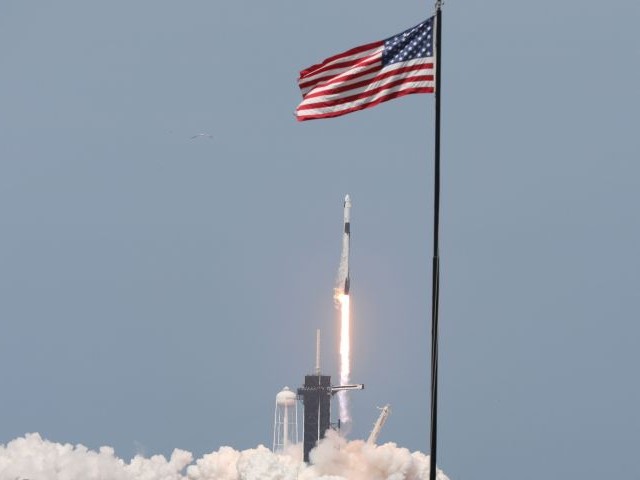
point(346, 240)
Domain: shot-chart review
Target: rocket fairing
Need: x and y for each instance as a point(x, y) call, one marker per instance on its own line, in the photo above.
point(346, 240)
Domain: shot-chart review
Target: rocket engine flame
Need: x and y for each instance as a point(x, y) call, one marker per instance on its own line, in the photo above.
point(345, 357)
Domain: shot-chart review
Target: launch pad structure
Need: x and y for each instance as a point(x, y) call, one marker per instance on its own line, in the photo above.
point(316, 400)
point(316, 396)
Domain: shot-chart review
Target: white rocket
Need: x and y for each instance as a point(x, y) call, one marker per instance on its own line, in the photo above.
point(346, 240)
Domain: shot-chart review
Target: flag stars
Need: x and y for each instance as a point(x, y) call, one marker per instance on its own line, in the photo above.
point(409, 45)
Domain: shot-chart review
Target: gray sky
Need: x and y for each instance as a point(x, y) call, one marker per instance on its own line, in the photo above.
point(157, 292)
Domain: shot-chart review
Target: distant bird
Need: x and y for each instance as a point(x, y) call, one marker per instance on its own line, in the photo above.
point(202, 135)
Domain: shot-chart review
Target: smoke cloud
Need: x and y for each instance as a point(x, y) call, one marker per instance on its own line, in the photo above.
point(34, 458)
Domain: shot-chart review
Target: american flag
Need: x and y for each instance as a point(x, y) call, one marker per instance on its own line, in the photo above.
point(370, 74)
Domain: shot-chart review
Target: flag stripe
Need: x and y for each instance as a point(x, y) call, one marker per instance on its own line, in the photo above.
point(368, 73)
point(349, 54)
point(363, 93)
point(379, 80)
point(341, 87)
point(357, 72)
point(340, 63)
point(338, 69)
point(330, 112)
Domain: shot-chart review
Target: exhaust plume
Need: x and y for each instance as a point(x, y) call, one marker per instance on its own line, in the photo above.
point(345, 361)
point(32, 457)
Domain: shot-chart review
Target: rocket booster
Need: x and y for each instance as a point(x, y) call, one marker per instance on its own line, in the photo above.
point(346, 240)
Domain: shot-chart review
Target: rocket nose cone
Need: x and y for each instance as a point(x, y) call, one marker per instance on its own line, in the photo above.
point(347, 199)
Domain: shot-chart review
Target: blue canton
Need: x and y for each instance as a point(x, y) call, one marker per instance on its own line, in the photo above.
point(417, 42)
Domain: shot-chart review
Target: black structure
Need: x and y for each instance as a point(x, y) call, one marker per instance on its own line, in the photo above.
point(316, 398)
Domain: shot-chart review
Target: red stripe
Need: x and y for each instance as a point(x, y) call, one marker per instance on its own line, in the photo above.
point(312, 69)
point(331, 79)
point(377, 78)
point(367, 105)
point(345, 78)
point(365, 94)
point(346, 66)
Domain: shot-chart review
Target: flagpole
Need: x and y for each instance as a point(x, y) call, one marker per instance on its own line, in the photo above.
point(435, 280)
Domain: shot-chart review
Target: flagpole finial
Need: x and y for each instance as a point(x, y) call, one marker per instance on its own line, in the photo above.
point(439, 4)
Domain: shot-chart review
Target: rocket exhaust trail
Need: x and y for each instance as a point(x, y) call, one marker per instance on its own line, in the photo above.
point(341, 296)
point(345, 361)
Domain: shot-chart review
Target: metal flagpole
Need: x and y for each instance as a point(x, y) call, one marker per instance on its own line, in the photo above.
point(435, 289)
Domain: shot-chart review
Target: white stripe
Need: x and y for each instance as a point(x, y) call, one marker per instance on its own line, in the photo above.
point(364, 101)
point(372, 75)
point(373, 85)
point(322, 77)
point(336, 71)
point(368, 88)
point(364, 53)
point(375, 66)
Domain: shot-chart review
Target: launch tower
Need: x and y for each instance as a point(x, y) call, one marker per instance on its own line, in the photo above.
point(316, 396)
point(316, 399)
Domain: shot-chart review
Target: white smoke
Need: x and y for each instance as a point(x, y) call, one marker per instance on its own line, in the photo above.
point(31, 457)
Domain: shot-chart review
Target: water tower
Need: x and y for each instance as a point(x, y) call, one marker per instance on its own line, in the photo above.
point(285, 420)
